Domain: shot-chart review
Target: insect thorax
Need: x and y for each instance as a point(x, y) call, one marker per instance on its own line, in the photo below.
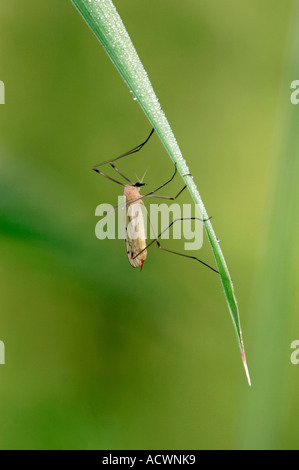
point(131, 192)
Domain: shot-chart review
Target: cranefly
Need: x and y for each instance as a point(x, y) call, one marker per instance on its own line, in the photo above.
point(135, 237)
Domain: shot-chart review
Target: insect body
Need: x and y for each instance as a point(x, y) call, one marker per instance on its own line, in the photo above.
point(135, 239)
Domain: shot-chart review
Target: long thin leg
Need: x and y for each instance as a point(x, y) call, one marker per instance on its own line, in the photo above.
point(191, 257)
point(172, 198)
point(151, 193)
point(175, 252)
point(130, 152)
point(120, 173)
point(148, 216)
point(162, 185)
point(112, 179)
point(107, 176)
point(124, 204)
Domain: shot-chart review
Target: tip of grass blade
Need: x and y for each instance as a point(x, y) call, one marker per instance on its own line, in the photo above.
point(245, 366)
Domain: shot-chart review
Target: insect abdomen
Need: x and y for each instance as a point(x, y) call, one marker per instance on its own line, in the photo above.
point(135, 236)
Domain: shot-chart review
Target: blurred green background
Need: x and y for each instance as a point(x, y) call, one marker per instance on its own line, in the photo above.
point(99, 356)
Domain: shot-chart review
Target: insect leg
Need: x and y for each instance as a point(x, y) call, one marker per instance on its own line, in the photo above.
point(188, 256)
point(168, 197)
point(120, 173)
point(162, 185)
point(175, 252)
point(107, 176)
point(150, 195)
point(146, 195)
point(130, 152)
point(148, 216)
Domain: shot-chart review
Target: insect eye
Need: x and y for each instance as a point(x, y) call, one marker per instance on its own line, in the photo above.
point(138, 184)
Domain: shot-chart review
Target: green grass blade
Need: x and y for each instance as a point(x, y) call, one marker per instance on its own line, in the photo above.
point(105, 22)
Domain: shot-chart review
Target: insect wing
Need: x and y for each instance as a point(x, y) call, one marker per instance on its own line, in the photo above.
point(135, 236)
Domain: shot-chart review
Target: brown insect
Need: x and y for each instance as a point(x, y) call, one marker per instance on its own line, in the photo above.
point(135, 237)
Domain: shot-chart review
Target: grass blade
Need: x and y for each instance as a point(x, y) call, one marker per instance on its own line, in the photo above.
point(105, 22)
